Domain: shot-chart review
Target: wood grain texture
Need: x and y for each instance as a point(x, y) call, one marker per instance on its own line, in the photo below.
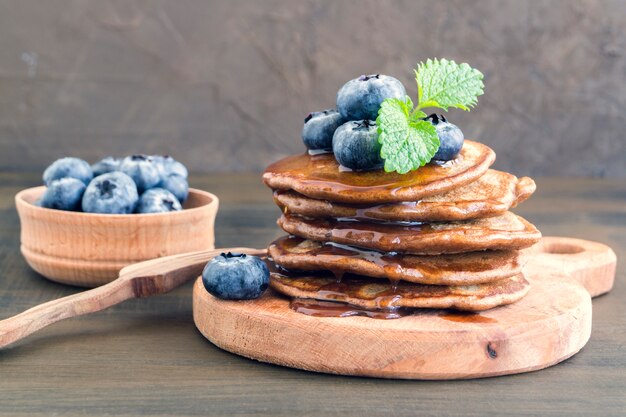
point(88, 250)
point(145, 357)
point(235, 79)
point(590, 264)
point(550, 324)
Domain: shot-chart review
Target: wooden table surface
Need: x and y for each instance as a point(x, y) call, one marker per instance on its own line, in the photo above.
point(145, 357)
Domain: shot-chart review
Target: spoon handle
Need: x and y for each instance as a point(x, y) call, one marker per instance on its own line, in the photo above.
point(143, 279)
point(38, 317)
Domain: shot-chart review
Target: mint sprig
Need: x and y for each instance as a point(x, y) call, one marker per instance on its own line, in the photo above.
point(443, 84)
point(408, 142)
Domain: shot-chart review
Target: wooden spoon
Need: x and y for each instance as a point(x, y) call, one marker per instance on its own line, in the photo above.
point(143, 279)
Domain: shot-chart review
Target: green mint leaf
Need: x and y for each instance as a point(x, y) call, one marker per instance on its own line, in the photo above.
point(443, 83)
point(408, 142)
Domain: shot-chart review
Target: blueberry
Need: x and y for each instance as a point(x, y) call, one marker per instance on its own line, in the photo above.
point(157, 200)
point(318, 129)
point(64, 194)
point(450, 138)
point(112, 193)
point(143, 170)
point(68, 167)
point(169, 166)
point(108, 164)
point(361, 98)
point(236, 276)
point(356, 146)
point(177, 168)
point(177, 185)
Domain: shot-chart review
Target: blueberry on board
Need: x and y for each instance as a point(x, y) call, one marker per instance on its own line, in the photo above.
point(157, 200)
point(361, 98)
point(68, 168)
point(111, 193)
point(108, 164)
point(177, 185)
point(166, 165)
point(319, 127)
point(450, 138)
point(64, 194)
point(143, 170)
point(355, 145)
point(232, 276)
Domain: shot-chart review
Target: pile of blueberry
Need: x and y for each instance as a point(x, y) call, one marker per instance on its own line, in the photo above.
point(350, 131)
point(134, 184)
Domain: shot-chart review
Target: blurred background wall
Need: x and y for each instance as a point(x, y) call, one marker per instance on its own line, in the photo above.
point(225, 85)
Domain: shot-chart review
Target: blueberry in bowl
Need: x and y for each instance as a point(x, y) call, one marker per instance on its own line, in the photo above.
point(68, 167)
point(319, 127)
point(143, 171)
point(105, 165)
point(355, 145)
point(64, 194)
point(361, 97)
point(166, 165)
point(157, 200)
point(176, 185)
point(111, 193)
point(235, 276)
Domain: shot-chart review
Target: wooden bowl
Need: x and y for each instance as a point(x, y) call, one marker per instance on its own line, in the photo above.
point(89, 249)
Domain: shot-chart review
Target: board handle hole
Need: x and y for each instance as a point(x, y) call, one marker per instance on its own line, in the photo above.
point(561, 248)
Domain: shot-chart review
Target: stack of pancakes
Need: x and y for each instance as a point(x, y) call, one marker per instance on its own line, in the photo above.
point(437, 237)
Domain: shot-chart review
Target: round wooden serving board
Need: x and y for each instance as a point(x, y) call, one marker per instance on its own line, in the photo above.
point(549, 325)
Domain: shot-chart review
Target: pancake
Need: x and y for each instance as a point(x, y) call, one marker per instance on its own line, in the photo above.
point(505, 232)
point(320, 177)
point(491, 195)
point(375, 294)
point(297, 254)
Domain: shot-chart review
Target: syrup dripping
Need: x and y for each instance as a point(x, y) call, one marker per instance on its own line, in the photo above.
point(394, 284)
point(395, 266)
point(326, 305)
point(338, 273)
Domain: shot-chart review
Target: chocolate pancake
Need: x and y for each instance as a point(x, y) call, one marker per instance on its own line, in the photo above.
point(320, 177)
point(375, 294)
point(297, 254)
point(491, 195)
point(505, 232)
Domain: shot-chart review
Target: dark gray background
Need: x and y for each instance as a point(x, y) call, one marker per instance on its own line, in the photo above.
point(224, 86)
